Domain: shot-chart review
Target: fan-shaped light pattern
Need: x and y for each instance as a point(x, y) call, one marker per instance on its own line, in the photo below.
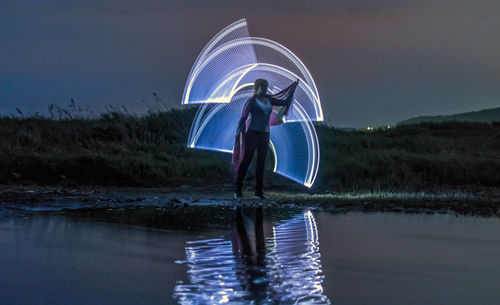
point(222, 80)
point(224, 63)
point(294, 145)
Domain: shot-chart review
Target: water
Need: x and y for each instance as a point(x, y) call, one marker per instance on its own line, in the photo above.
point(249, 255)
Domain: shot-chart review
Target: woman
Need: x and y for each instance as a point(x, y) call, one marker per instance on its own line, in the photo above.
point(253, 132)
point(249, 249)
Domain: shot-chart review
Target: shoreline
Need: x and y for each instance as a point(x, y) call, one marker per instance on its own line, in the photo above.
point(22, 200)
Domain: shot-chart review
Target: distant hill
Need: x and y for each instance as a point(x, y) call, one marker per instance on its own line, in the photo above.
point(486, 115)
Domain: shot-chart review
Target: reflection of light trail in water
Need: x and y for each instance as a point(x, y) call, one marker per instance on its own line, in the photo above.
point(296, 262)
point(211, 273)
point(293, 268)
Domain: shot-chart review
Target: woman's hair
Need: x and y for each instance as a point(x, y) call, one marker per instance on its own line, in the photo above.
point(260, 82)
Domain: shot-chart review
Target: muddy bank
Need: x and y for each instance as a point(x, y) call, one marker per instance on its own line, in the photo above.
point(20, 200)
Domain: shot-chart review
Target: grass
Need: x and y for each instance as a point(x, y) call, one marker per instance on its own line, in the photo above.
point(427, 156)
point(119, 149)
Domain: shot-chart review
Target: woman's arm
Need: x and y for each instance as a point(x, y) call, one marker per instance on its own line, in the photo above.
point(288, 100)
point(244, 115)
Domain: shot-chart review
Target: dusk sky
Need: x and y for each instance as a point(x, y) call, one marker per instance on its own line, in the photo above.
point(374, 61)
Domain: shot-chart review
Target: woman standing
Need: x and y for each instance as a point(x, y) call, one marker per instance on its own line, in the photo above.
point(253, 132)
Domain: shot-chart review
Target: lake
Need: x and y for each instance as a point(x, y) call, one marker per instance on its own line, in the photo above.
point(248, 255)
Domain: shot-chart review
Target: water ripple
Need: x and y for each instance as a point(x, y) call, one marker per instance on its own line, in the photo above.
point(284, 268)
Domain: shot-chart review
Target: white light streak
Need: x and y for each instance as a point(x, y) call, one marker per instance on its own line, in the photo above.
point(222, 78)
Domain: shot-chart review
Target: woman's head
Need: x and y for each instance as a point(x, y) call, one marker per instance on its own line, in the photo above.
point(260, 86)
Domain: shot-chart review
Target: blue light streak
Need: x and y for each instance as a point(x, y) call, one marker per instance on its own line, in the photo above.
point(221, 80)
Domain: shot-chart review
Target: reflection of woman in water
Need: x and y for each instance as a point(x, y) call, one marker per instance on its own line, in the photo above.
point(286, 270)
point(253, 132)
point(250, 253)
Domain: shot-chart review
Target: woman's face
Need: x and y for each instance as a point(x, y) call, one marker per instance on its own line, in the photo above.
point(261, 90)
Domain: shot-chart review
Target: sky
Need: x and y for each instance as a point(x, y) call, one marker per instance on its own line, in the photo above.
point(375, 62)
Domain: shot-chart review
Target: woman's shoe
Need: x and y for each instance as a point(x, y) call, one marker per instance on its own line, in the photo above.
point(260, 196)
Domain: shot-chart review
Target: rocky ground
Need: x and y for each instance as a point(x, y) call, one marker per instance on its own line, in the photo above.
point(21, 200)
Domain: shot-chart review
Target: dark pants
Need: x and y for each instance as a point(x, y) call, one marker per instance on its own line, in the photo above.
point(253, 140)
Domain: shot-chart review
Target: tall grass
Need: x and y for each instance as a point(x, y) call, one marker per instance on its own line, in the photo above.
point(120, 148)
point(115, 149)
point(411, 157)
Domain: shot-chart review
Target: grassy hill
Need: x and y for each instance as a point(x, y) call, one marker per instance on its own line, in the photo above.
point(122, 150)
point(486, 116)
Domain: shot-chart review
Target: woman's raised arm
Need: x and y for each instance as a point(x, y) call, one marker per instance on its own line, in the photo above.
point(288, 100)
